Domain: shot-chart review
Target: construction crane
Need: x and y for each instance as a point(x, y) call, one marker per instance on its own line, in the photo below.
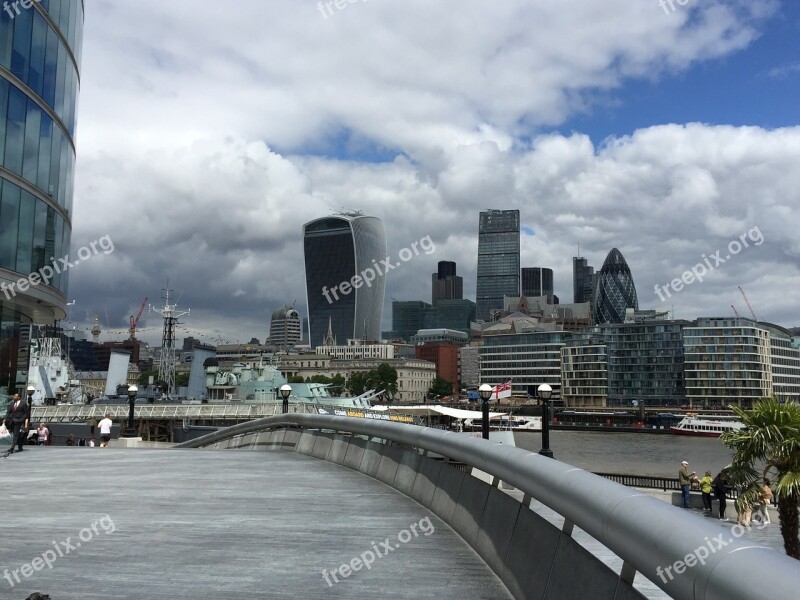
point(135, 321)
point(736, 312)
point(746, 301)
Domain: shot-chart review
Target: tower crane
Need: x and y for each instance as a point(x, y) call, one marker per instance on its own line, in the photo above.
point(746, 301)
point(135, 321)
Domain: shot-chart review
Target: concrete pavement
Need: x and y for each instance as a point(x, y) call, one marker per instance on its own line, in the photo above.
point(187, 524)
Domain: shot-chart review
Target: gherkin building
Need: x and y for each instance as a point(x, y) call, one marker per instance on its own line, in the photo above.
point(615, 290)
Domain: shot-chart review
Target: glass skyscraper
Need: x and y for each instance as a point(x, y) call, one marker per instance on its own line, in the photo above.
point(582, 280)
point(498, 260)
point(345, 280)
point(537, 281)
point(40, 55)
point(615, 290)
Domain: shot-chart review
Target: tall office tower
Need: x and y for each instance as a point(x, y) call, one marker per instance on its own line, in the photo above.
point(498, 260)
point(344, 279)
point(582, 280)
point(40, 55)
point(284, 328)
point(615, 290)
point(445, 284)
point(538, 281)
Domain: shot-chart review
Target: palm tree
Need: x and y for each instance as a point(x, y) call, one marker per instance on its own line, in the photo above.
point(771, 437)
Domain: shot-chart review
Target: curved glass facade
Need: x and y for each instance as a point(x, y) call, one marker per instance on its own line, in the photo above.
point(615, 290)
point(39, 78)
point(40, 53)
point(337, 249)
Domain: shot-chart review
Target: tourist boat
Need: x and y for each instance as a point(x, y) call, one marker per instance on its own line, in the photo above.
point(706, 425)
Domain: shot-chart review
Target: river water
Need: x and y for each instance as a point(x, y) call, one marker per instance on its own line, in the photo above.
point(651, 454)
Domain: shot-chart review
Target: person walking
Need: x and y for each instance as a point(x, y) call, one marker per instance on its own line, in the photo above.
point(42, 434)
point(17, 416)
point(685, 481)
point(720, 492)
point(766, 499)
point(105, 431)
point(705, 489)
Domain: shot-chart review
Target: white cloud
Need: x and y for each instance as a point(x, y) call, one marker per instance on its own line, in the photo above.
point(207, 137)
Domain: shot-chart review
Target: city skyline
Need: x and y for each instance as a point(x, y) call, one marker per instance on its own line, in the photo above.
point(207, 140)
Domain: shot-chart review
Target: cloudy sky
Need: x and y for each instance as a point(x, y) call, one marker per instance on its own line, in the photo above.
point(208, 135)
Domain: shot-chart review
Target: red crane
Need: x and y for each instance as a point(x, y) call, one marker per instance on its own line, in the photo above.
point(135, 321)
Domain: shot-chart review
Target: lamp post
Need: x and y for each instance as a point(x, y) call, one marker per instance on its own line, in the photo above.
point(485, 392)
point(544, 392)
point(130, 431)
point(286, 391)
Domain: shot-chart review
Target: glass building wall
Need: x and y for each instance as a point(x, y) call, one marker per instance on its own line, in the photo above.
point(728, 361)
point(341, 253)
point(615, 290)
point(498, 261)
point(40, 53)
point(527, 359)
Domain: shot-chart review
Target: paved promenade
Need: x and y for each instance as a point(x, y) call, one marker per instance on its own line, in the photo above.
point(194, 524)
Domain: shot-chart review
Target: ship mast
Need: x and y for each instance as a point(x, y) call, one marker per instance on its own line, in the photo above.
point(167, 360)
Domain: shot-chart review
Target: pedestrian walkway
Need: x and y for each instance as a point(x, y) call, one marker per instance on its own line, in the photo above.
point(188, 524)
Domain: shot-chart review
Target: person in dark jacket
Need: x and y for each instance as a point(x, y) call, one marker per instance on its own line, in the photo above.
point(719, 486)
point(17, 416)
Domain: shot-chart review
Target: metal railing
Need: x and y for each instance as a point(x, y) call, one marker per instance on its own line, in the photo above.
point(67, 413)
point(649, 535)
point(655, 483)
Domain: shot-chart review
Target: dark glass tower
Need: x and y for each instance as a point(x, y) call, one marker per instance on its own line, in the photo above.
point(40, 55)
point(498, 260)
point(537, 281)
point(445, 284)
point(582, 280)
point(615, 290)
point(344, 277)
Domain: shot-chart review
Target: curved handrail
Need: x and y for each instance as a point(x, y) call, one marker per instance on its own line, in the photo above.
point(648, 534)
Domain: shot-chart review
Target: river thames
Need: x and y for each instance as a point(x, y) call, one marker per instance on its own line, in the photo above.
point(631, 453)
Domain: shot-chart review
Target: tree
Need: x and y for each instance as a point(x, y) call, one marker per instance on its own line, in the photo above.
point(181, 379)
point(771, 437)
point(145, 375)
point(384, 378)
point(295, 379)
point(440, 387)
point(356, 383)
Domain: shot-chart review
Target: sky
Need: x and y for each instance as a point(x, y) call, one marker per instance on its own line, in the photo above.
point(208, 136)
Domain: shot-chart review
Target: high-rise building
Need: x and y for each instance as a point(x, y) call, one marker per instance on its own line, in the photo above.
point(615, 290)
point(344, 279)
point(582, 280)
point(538, 281)
point(284, 328)
point(40, 55)
point(408, 317)
point(498, 260)
point(445, 284)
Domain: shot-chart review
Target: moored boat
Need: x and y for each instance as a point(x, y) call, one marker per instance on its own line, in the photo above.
point(706, 425)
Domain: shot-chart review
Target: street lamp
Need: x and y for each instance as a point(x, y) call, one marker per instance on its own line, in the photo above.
point(286, 391)
point(485, 392)
point(130, 431)
point(544, 392)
